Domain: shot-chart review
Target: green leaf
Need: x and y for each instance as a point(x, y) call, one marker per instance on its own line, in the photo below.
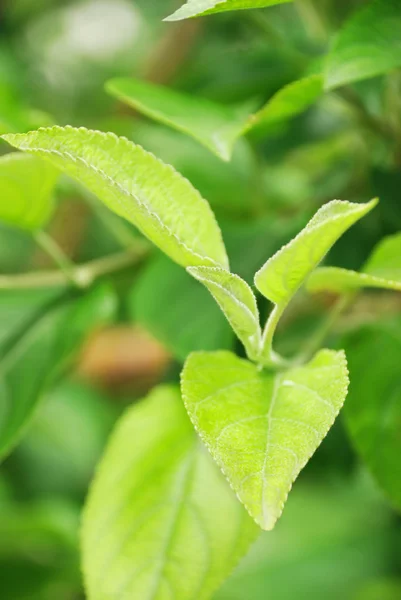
point(373, 409)
point(187, 319)
point(262, 428)
point(368, 45)
point(34, 354)
point(238, 303)
point(383, 270)
point(214, 125)
point(291, 100)
point(171, 526)
point(26, 188)
point(195, 8)
point(282, 275)
point(137, 186)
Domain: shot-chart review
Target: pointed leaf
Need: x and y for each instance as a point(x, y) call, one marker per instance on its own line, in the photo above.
point(171, 526)
point(368, 45)
point(195, 8)
point(32, 356)
point(214, 125)
point(262, 428)
point(288, 102)
point(282, 275)
point(238, 303)
point(26, 188)
point(383, 270)
point(137, 186)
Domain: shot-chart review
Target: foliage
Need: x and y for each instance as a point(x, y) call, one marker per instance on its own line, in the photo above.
point(221, 145)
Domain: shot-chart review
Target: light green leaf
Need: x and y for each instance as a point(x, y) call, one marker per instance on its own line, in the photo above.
point(368, 45)
point(373, 409)
point(238, 303)
point(171, 526)
point(291, 100)
point(32, 356)
point(282, 275)
point(214, 125)
point(383, 270)
point(195, 8)
point(137, 186)
point(262, 428)
point(26, 188)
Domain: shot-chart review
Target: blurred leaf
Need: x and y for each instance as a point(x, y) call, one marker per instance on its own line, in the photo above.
point(237, 301)
point(177, 310)
point(373, 408)
point(382, 270)
point(282, 275)
point(137, 186)
point(170, 522)
point(60, 460)
point(288, 102)
point(382, 589)
point(26, 190)
point(35, 354)
point(368, 45)
point(195, 8)
point(333, 535)
point(214, 125)
point(263, 428)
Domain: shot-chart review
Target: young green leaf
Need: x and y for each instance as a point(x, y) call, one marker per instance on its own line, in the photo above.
point(31, 357)
point(290, 101)
point(26, 188)
point(262, 428)
point(171, 526)
point(383, 270)
point(196, 8)
point(238, 303)
point(214, 125)
point(283, 274)
point(373, 410)
point(137, 186)
point(368, 45)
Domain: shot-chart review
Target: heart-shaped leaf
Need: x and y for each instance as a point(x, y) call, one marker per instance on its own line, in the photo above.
point(382, 270)
point(137, 186)
point(282, 275)
point(260, 427)
point(238, 303)
point(26, 187)
point(171, 526)
point(196, 8)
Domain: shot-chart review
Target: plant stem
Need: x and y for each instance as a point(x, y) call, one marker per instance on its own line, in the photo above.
point(81, 275)
point(313, 19)
point(52, 249)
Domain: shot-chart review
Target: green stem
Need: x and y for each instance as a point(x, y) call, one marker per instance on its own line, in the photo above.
point(52, 249)
point(313, 19)
point(268, 356)
point(82, 275)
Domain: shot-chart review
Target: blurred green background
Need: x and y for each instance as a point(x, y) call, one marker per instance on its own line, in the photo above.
point(339, 536)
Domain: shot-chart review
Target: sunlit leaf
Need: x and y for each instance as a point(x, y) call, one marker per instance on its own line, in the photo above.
point(33, 355)
point(373, 409)
point(283, 274)
point(368, 45)
point(171, 526)
point(260, 427)
point(382, 270)
point(195, 8)
point(137, 186)
point(214, 125)
point(237, 301)
point(26, 188)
